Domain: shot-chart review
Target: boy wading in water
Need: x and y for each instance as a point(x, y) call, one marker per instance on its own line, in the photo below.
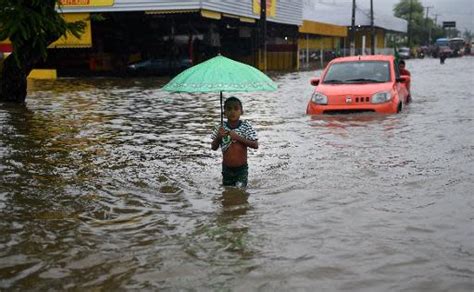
point(234, 137)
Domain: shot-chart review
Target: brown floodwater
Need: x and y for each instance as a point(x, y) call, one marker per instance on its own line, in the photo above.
point(111, 184)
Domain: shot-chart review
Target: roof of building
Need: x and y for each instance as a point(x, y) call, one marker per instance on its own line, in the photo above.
point(341, 14)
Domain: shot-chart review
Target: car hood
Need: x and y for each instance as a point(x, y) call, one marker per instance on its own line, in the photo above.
point(353, 89)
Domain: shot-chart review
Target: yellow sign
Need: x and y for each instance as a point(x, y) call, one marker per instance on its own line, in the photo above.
point(70, 41)
point(271, 7)
point(87, 2)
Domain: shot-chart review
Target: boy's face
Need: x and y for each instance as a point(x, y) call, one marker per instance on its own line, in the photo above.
point(233, 111)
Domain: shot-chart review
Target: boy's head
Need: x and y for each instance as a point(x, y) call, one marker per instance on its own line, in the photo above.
point(233, 108)
point(231, 101)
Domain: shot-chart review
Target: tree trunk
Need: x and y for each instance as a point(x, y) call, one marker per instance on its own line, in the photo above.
point(18, 65)
point(13, 81)
point(13, 78)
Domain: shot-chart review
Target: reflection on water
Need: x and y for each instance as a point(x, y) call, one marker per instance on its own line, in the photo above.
point(111, 184)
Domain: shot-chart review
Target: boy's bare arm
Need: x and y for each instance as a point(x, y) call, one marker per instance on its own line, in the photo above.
point(249, 143)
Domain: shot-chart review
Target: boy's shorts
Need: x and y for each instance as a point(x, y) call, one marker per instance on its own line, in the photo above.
point(235, 176)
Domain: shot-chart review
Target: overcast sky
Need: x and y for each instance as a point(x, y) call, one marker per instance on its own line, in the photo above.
point(461, 11)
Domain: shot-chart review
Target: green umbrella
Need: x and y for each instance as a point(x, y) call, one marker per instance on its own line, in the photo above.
point(221, 74)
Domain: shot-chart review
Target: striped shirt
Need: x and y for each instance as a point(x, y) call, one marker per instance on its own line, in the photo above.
point(244, 129)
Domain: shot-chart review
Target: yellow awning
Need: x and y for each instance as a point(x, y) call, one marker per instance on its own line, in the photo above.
point(211, 14)
point(247, 19)
point(170, 11)
point(70, 41)
point(241, 18)
point(319, 28)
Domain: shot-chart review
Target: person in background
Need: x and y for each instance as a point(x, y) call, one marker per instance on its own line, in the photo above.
point(402, 68)
point(404, 71)
point(442, 57)
point(234, 137)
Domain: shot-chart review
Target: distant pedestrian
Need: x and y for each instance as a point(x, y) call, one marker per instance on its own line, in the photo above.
point(442, 57)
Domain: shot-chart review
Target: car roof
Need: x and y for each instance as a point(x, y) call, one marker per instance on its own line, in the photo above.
point(364, 58)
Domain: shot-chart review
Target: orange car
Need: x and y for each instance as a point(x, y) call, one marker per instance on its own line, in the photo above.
point(360, 84)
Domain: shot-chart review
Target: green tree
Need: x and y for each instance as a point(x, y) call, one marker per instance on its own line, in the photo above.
point(412, 11)
point(437, 32)
point(31, 26)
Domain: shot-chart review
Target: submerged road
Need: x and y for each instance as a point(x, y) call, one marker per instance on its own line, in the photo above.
point(110, 184)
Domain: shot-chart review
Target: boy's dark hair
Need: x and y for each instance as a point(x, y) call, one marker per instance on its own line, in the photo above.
point(234, 99)
point(401, 62)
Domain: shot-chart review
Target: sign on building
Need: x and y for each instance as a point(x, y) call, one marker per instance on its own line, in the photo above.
point(271, 7)
point(87, 2)
point(447, 24)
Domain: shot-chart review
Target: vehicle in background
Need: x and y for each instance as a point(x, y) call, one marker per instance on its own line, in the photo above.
point(445, 50)
point(468, 50)
point(359, 84)
point(422, 51)
point(160, 66)
point(404, 53)
point(457, 45)
point(439, 43)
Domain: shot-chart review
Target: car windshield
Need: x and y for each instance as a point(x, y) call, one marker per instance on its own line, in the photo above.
point(358, 72)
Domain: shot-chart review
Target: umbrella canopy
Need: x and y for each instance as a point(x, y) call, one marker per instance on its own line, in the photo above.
point(221, 74)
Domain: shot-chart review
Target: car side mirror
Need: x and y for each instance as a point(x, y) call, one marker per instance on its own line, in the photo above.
point(314, 81)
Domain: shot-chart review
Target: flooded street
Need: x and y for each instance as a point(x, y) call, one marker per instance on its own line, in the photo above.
point(111, 184)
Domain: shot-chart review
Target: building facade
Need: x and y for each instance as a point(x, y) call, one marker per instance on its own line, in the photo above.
point(291, 34)
point(126, 31)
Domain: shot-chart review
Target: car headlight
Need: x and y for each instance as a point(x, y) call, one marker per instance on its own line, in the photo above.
point(319, 98)
point(381, 97)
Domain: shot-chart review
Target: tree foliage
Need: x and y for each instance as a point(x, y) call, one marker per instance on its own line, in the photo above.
point(412, 11)
point(31, 26)
point(423, 29)
point(403, 8)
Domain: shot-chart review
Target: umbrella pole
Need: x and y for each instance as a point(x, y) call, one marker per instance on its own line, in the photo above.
point(222, 114)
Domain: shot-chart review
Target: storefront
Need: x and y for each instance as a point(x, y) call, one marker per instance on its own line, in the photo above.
point(122, 32)
point(196, 30)
point(319, 43)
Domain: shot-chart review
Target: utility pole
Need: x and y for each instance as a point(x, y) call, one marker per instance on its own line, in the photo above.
point(426, 23)
point(436, 18)
point(263, 31)
point(372, 32)
point(352, 35)
point(409, 25)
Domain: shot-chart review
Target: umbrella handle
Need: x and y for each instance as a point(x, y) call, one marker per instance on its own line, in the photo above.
point(222, 113)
